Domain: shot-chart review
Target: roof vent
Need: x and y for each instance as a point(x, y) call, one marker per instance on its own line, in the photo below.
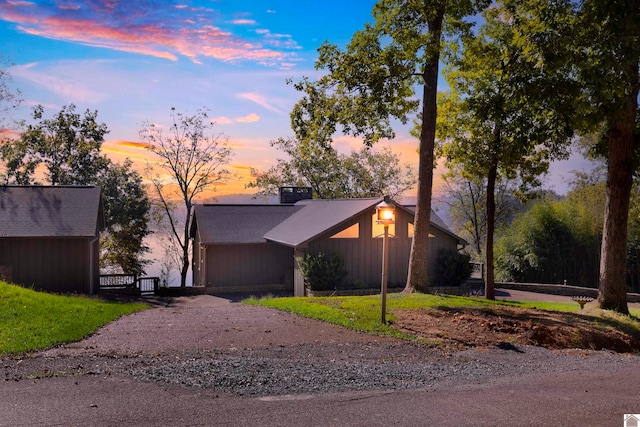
point(290, 195)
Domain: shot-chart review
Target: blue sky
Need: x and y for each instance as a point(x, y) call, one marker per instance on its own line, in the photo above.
point(134, 60)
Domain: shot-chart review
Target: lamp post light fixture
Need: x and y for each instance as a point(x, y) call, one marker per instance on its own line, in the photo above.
point(385, 215)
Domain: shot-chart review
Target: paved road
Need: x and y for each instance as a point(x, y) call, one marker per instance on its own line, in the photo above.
point(588, 399)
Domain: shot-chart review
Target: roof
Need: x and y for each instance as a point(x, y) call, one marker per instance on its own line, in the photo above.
point(290, 225)
point(50, 211)
point(223, 224)
point(437, 222)
point(316, 217)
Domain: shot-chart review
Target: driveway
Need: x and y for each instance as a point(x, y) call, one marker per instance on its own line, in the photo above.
point(208, 361)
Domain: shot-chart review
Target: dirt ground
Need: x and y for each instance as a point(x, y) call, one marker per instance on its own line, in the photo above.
point(505, 326)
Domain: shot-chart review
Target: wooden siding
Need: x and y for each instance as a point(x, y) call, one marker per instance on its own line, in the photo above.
point(249, 267)
point(61, 265)
point(363, 256)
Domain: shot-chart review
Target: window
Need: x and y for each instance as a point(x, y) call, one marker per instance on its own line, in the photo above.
point(352, 232)
point(410, 231)
point(377, 230)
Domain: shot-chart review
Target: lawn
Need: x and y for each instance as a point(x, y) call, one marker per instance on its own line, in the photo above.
point(452, 321)
point(31, 320)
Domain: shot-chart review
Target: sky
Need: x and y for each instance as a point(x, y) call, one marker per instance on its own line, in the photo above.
point(133, 61)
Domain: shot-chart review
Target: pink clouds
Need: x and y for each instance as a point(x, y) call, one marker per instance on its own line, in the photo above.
point(249, 118)
point(149, 28)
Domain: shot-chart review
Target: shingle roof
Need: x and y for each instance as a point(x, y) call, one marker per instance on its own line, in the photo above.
point(222, 224)
point(315, 217)
point(291, 225)
point(50, 211)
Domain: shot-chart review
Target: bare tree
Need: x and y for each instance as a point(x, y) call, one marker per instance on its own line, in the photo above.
point(10, 98)
point(191, 158)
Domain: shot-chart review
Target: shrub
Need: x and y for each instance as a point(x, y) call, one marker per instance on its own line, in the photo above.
point(321, 272)
point(452, 268)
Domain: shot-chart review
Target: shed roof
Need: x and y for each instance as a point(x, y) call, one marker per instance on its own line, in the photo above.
point(50, 211)
point(316, 217)
point(224, 224)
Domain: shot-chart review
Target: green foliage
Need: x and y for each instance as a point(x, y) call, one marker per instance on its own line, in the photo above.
point(540, 247)
point(35, 320)
point(557, 240)
point(364, 173)
point(67, 145)
point(453, 268)
point(68, 148)
point(322, 272)
point(127, 216)
point(490, 117)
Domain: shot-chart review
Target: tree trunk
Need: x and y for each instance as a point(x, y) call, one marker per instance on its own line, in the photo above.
point(612, 293)
point(417, 279)
point(491, 214)
point(186, 260)
point(185, 265)
point(476, 228)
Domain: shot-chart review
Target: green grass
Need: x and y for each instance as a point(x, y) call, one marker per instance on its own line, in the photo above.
point(31, 320)
point(363, 313)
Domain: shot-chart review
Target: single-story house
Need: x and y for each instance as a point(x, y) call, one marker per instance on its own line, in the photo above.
point(49, 237)
point(252, 248)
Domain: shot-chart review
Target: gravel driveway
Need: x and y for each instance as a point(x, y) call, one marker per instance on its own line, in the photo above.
point(230, 349)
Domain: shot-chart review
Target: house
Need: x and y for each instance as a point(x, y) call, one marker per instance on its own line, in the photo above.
point(49, 237)
point(252, 248)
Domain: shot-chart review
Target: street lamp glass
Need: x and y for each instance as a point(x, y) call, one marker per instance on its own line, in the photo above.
point(386, 213)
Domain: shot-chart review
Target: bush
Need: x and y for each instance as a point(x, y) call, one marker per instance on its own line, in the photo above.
point(321, 272)
point(452, 268)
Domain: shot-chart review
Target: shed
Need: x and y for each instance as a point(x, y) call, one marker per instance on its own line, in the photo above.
point(252, 248)
point(49, 237)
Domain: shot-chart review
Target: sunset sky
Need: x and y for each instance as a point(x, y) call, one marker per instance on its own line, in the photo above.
point(134, 60)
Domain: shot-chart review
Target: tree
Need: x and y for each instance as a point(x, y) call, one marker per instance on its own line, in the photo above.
point(491, 122)
point(541, 247)
point(68, 146)
point(126, 206)
point(68, 150)
point(10, 98)
point(464, 202)
point(193, 161)
point(596, 44)
point(364, 173)
point(374, 80)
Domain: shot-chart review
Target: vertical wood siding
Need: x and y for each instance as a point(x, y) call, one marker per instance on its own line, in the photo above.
point(249, 265)
point(53, 265)
point(363, 256)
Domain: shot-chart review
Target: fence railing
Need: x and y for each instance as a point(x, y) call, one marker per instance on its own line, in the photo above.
point(129, 283)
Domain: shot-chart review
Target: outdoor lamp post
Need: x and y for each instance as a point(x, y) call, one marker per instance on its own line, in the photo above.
point(385, 215)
